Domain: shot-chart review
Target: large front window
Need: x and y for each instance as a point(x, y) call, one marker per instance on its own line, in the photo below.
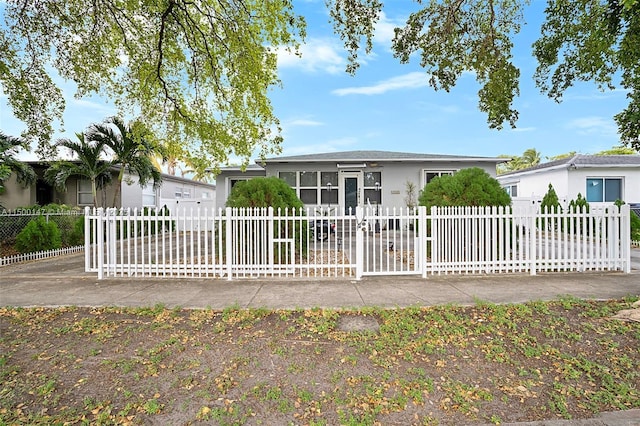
point(313, 187)
point(604, 189)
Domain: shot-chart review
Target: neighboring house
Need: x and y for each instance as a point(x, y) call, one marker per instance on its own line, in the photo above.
point(601, 179)
point(353, 178)
point(173, 191)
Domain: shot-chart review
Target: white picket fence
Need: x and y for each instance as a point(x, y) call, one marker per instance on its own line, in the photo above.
point(497, 239)
point(236, 243)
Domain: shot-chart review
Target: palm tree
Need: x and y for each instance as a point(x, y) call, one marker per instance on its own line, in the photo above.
point(171, 153)
point(530, 158)
point(9, 147)
point(86, 163)
point(131, 148)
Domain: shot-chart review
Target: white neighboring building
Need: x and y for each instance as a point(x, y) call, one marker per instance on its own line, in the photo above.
point(601, 179)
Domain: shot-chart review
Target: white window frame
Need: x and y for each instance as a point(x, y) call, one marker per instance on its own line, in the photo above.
point(509, 189)
point(440, 172)
point(84, 191)
point(149, 191)
point(604, 195)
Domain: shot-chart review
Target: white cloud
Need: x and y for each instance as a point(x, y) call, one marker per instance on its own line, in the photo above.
point(302, 122)
point(412, 80)
point(593, 125)
point(318, 55)
point(332, 145)
point(384, 31)
point(523, 129)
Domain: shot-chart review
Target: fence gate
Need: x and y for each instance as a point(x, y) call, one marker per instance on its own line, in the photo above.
point(393, 243)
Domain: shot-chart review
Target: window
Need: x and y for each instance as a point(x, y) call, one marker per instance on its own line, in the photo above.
point(186, 193)
point(604, 189)
point(205, 195)
point(85, 197)
point(431, 174)
point(234, 181)
point(289, 177)
point(512, 189)
point(373, 187)
point(178, 192)
point(329, 187)
point(148, 196)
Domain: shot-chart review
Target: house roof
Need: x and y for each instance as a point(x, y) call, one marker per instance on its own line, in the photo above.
point(376, 156)
point(582, 161)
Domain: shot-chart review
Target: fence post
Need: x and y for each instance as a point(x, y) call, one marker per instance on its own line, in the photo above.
point(533, 212)
point(100, 241)
point(87, 239)
point(271, 244)
point(625, 236)
point(360, 230)
point(228, 234)
point(423, 237)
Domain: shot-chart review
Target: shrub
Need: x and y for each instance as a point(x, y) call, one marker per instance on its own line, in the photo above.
point(38, 235)
point(276, 193)
point(468, 187)
point(550, 202)
point(264, 192)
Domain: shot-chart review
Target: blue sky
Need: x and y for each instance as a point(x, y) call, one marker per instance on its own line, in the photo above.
point(389, 106)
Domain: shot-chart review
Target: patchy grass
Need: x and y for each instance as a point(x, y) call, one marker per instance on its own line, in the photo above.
point(424, 366)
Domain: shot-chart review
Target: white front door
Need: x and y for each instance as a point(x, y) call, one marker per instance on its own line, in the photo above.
point(350, 190)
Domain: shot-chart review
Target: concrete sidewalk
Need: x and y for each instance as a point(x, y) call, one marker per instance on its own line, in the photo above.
point(62, 281)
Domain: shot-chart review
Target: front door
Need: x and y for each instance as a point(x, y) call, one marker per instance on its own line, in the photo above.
point(351, 187)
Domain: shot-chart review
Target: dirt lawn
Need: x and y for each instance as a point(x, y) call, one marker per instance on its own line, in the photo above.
point(425, 366)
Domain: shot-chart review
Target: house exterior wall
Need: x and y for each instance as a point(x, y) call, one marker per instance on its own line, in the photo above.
point(15, 195)
point(394, 174)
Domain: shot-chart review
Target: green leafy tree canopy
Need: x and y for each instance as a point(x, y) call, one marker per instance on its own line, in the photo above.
point(199, 68)
point(468, 187)
point(582, 40)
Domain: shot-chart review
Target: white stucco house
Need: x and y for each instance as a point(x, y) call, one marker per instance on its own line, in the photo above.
point(353, 178)
point(601, 179)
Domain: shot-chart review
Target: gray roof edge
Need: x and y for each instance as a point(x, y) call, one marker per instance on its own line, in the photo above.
point(580, 161)
point(347, 156)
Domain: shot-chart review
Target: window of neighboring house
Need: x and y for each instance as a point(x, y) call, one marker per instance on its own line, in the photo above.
point(604, 189)
point(85, 197)
point(178, 192)
point(148, 196)
point(205, 195)
point(430, 174)
point(511, 189)
point(373, 187)
point(186, 193)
